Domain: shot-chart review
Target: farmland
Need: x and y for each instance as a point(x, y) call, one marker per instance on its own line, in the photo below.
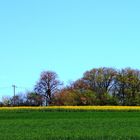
point(42, 124)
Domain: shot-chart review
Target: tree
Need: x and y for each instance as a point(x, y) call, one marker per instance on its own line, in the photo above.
point(48, 84)
point(6, 100)
point(100, 80)
point(127, 86)
point(79, 85)
point(18, 100)
point(66, 97)
point(34, 99)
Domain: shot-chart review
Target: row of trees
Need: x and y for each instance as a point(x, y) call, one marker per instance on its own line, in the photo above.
point(99, 86)
point(103, 86)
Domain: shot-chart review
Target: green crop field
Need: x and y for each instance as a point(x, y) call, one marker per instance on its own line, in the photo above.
point(89, 125)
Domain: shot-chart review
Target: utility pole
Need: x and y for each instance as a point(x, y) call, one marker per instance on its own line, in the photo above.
point(14, 90)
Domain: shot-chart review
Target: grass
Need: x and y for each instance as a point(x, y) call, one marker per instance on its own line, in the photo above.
point(63, 125)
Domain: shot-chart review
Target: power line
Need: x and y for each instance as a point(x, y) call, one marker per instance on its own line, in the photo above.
point(23, 87)
point(19, 87)
point(4, 87)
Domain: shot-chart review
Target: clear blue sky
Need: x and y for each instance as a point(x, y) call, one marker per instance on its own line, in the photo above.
point(66, 36)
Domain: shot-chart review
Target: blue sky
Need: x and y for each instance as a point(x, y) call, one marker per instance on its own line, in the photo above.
point(66, 36)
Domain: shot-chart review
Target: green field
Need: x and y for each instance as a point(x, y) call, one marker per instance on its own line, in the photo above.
point(39, 125)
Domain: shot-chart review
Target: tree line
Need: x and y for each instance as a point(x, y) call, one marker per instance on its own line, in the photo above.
point(98, 86)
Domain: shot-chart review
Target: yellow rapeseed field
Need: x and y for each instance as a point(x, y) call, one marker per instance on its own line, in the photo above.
point(78, 108)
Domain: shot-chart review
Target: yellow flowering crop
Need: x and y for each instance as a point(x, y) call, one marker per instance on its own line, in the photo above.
point(77, 108)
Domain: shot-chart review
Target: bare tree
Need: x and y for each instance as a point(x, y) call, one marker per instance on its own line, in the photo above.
point(6, 100)
point(47, 85)
point(33, 99)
